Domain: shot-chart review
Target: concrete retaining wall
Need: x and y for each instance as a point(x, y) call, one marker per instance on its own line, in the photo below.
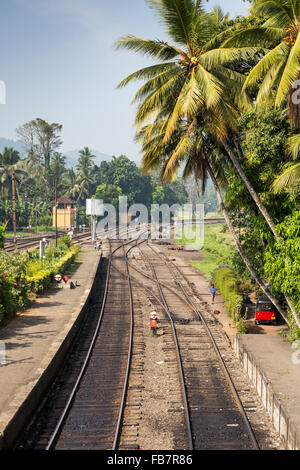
point(280, 418)
point(29, 398)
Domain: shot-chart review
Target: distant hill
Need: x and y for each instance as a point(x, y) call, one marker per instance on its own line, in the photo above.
point(11, 143)
point(72, 156)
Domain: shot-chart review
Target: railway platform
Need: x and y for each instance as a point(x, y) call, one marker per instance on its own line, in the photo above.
point(273, 367)
point(34, 343)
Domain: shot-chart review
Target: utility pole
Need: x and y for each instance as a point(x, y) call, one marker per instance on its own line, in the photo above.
point(14, 207)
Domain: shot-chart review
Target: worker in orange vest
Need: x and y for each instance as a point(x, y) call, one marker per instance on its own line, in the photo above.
point(153, 322)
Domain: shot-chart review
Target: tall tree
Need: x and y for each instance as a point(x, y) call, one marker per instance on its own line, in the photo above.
point(203, 159)
point(85, 172)
point(41, 140)
point(9, 161)
point(200, 79)
point(69, 183)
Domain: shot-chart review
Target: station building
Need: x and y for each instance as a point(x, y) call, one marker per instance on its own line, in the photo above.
point(66, 213)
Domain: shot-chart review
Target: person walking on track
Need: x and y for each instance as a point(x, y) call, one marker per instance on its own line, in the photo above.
point(213, 292)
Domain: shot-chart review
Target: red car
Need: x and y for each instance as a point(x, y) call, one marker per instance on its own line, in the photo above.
point(265, 311)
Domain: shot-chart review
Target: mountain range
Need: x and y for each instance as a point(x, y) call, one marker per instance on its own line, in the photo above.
point(71, 156)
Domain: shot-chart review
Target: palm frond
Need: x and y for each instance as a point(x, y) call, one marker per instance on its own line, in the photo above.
point(291, 72)
point(148, 73)
point(276, 55)
point(290, 178)
point(222, 56)
point(293, 146)
point(157, 49)
point(178, 16)
point(254, 36)
point(278, 12)
point(153, 103)
point(271, 79)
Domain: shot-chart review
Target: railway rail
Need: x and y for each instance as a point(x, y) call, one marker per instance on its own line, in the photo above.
point(34, 242)
point(213, 409)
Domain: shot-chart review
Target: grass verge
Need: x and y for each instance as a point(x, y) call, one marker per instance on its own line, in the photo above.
point(218, 248)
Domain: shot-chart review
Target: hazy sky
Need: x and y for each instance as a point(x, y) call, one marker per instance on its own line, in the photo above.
point(58, 62)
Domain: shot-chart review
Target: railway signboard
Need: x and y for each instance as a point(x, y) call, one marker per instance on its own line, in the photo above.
point(94, 208)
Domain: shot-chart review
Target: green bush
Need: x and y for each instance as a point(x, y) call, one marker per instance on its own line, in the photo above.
point(46, 220)
point(25, 273)
point(13, 286)
point(65, 242)
point(227, 283)
point(40, 281)
point(40, 274)
point(2, 235)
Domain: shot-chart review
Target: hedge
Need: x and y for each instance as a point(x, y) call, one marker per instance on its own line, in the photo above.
point(227, 283)
point(42, 279)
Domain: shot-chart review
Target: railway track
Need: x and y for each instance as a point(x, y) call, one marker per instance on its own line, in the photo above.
point(85, 406)
point(34, 243)
point(92, 416)
point(215, 418)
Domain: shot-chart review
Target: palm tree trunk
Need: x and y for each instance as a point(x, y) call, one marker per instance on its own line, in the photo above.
point(80, 194)
point(293, 310)
point(251, 190)
point(14, 207)
point(55, 213)
point(240, 248)
point(262, 209)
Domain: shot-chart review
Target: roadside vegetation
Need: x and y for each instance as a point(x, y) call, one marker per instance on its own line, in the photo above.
point(22, 275)
point(227, 283)
point(218, 248)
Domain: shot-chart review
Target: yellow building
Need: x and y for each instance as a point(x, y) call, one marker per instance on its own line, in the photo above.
point(66, 213)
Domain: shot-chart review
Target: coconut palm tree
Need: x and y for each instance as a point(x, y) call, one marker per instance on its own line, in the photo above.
point(204, 160)
point(85, 172)
point(279, 69)
point(9, 166)
point(197, 78)
point(70, 184)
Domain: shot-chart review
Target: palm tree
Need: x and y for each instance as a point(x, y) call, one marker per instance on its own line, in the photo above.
point(85, 168)
point(197, 78)
point(9, 164)
point(279, 69)
point(70, 184)
point(204, 160)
